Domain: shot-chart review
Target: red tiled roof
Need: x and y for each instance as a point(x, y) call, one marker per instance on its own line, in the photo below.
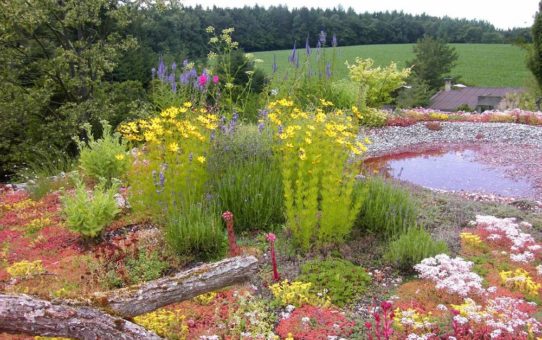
point(450, 100)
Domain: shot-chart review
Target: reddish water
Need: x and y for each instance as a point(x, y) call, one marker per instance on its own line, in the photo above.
point(459, 168)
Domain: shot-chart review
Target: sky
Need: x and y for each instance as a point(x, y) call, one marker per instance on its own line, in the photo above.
point(502, 14)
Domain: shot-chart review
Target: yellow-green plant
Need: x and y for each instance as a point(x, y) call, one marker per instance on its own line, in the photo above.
point(25, 268)
point(520, 280)
point(376, 84)
point(169, 170)
point(314, 150)
point(105, 157)
point(88, 214)
point(298, 293)
point(165, 323)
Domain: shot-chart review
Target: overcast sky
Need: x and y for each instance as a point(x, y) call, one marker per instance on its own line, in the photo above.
point(501, 13)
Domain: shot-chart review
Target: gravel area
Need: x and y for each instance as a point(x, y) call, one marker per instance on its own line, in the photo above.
point(388, 139)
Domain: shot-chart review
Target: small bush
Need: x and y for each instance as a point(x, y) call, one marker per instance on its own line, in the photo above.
point(386, 210)
point(88, 214)
point(412, 247)
point(105, 157)
point(145, 266)
point(343, 280)
point(247, 179)
point(373, 118)
point(196, 230)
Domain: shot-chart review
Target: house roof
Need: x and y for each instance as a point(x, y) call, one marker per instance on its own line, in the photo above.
point(450, 100)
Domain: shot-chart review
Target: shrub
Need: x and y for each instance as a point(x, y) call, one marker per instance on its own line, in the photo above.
point(247, 179)
point(145, 266)
point(373, 118)
point(88, 214)
point(412, 247)
point(196, 230)
point(171, 168)
point(386, 210)
point(105, 157)
point(318, 177)
point(343, 280)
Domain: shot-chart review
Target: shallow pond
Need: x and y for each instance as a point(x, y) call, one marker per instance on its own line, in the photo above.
point(472, 168)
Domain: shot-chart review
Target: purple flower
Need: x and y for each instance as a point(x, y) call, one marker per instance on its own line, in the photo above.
point(185, 62)
point(261, 126)
point(275, 67)
point(292, 56)
point(307, 46)
point(334, 40)
point(173, 67)
point(322, 38)
point(328, 70)
point(281, 129)
point(161, 69)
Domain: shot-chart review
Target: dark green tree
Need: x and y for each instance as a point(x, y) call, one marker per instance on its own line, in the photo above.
point(54, 56)
point(535, 56)
point(433, 62)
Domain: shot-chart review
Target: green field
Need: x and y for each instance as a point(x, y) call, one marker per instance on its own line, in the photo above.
point(478, 65)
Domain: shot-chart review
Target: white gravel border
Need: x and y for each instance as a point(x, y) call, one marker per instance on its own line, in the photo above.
point(387, 139)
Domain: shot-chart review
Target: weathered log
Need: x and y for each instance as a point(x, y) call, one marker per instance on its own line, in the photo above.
point(25, 314)
point(146, 297)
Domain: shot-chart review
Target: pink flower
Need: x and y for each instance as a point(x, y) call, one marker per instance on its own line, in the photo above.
point(202, 80)
point(271, 237)
point(215, 79)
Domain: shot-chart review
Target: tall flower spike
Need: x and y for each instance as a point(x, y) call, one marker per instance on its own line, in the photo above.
point(271, 238)
point(234, 248)
point(292, 57)
point(334, 41)
point(307, 46)
point(275, 67)
point(322, 38)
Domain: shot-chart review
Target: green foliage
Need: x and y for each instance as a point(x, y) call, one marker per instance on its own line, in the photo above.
point(534, 61)
point(103, 158)
point(433, 62)
point(413, 246)
point(195, 230)
point(376, 84)
point(417, 95)
point(464, 107)
point(88, 214)
point(343, 280)
point(314, 149)
point(386, 210)
point(146, 266)
point(247, 178)
point(373, 118)
point(62, 53)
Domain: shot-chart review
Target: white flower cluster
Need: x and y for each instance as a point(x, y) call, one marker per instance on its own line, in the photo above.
point(414, 336)
point(523, 247)
point(287, 312)
point(507, 316)
point(453, 275)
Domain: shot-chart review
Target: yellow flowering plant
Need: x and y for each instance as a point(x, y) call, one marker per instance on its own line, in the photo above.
point(520, 280)
point(170, 168)
point(166, 323)
point(298, 293)
point(24, 268)
point(314, 149)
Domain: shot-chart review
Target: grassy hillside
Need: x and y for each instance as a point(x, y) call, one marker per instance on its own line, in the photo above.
point(478, 65)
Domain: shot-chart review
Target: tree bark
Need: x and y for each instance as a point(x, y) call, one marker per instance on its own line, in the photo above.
point(25, 314)
point(146, 297)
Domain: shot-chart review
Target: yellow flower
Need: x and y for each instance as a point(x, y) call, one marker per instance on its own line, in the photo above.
point(119, 156)
point(173, 147)
point(201, 159)
point(302, 154)
point(187, 104)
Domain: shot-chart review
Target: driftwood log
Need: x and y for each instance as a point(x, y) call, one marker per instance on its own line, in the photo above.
point(24, 314)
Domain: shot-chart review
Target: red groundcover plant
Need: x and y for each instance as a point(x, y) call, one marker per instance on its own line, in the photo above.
point(314, 323)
